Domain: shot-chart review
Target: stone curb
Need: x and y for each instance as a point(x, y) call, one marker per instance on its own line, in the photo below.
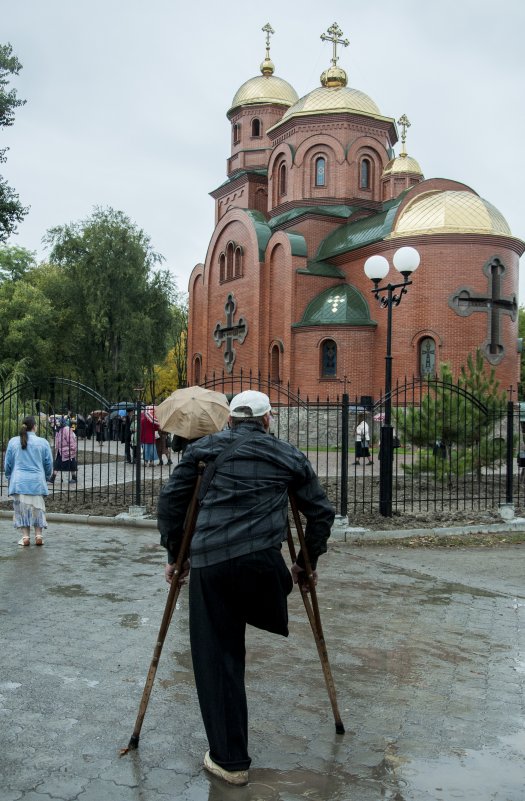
point(365, 535)
point(339, 533)
point(130, 521)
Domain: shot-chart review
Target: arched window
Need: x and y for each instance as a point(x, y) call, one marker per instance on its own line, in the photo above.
point(275, 370)
point(282, 180)
point(222, 267)
point(256, 127)
point(365, 174)
point(427, 356)
point(261, 200)
point(238, 261)
point(328, 359)
point(197, 369)
point(320, 171)
point(229, 260)
point(236, 133)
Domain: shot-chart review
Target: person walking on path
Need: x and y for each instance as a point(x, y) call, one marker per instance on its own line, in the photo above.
point(65, 452)
point(162, 444)
point(238, 574)
point(362, 441)
point(28, 464)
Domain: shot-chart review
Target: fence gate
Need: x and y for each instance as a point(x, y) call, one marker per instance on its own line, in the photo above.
point(109, 480)
point(453, 452)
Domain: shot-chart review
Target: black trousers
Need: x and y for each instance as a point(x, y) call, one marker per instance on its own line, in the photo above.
point(225, 597)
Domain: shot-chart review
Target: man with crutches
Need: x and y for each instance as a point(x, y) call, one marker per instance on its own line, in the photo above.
point(238, 574)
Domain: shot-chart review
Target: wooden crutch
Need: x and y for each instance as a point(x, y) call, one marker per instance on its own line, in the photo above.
point(189, 528)
point(311, 605)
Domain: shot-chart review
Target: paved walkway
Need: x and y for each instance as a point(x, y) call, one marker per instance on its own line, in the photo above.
point(427, 649)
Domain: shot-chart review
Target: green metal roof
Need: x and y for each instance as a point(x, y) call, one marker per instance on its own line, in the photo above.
point(262, 230)
point(357, 234)
point(297, 244)
point(339, 305)
point(239, 175)
point(327, 211)
point(322, 268)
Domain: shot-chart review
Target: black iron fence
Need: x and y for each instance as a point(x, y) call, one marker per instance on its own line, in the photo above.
point(452, 451)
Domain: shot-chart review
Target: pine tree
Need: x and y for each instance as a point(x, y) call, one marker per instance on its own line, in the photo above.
point(457, 424)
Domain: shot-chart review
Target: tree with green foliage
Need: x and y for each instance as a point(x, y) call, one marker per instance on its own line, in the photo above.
point(15, 262)
point(456, 424)
point(27, 330)
point(117, 306)
point(179, 338)
point(172, 373)
point(11, 210)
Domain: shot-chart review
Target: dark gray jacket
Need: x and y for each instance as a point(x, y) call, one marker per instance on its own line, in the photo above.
point(245, 507)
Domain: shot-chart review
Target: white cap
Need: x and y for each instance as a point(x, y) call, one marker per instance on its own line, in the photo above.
point(250, 404)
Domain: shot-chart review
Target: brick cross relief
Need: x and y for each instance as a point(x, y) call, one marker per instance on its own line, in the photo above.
point(465, 302)
point(230, 332)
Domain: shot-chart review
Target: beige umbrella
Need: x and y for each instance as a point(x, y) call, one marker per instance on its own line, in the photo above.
point(193, 412)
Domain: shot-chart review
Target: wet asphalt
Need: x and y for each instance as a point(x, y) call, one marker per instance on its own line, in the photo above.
point(427, 649)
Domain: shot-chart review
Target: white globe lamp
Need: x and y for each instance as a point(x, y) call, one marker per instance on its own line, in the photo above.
point(376, 268)
point(406, 260)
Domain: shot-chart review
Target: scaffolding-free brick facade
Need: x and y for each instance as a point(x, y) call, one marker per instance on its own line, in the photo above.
point(281, 241)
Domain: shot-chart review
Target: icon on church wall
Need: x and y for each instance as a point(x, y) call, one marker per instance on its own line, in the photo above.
point(230, 332)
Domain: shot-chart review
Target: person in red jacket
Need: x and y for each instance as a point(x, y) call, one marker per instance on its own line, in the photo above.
point(149, 425)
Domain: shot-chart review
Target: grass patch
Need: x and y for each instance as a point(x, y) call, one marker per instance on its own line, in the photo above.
point(480, 540)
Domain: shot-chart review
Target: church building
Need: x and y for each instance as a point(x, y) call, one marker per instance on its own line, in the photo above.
point(314, 189)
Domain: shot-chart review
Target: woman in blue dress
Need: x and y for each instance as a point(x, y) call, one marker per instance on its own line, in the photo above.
point(28, 465)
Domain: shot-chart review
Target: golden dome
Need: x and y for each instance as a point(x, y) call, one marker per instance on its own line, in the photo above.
point(401, 165)
point(334, 76)
point(266, 88)
point(333, 100)
point(450, 212)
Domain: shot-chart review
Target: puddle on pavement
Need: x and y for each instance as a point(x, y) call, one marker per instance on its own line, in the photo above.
point(178, 679)
point(111, 596)
point(471, 774)
point(150, 559)
point(434, 596)
point(274, 785)
point(78, 591)
point(105, 561)
point(69, 590)
point(184, 660)
point(293, 785)
point(132, 621)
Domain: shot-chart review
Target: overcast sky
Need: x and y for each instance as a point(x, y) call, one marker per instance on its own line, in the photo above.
point(127, 100)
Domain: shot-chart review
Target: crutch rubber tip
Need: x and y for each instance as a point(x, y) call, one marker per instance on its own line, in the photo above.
point(339, 728)
point(134, 742)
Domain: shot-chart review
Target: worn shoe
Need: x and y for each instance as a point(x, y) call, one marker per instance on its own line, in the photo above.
point(24, 541)
point(39, 540)
point(238, 777)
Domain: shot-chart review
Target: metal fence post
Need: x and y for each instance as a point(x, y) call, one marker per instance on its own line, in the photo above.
point(344, 455)
point(510, 452)
point(138, 460)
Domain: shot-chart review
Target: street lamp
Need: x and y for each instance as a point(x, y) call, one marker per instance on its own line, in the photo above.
point(406, 260)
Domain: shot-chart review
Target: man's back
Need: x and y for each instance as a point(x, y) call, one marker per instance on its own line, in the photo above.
point(246, 504)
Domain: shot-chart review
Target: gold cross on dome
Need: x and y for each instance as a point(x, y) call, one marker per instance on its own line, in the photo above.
point(404, 122)
point(268, 30)
point(335, 34)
